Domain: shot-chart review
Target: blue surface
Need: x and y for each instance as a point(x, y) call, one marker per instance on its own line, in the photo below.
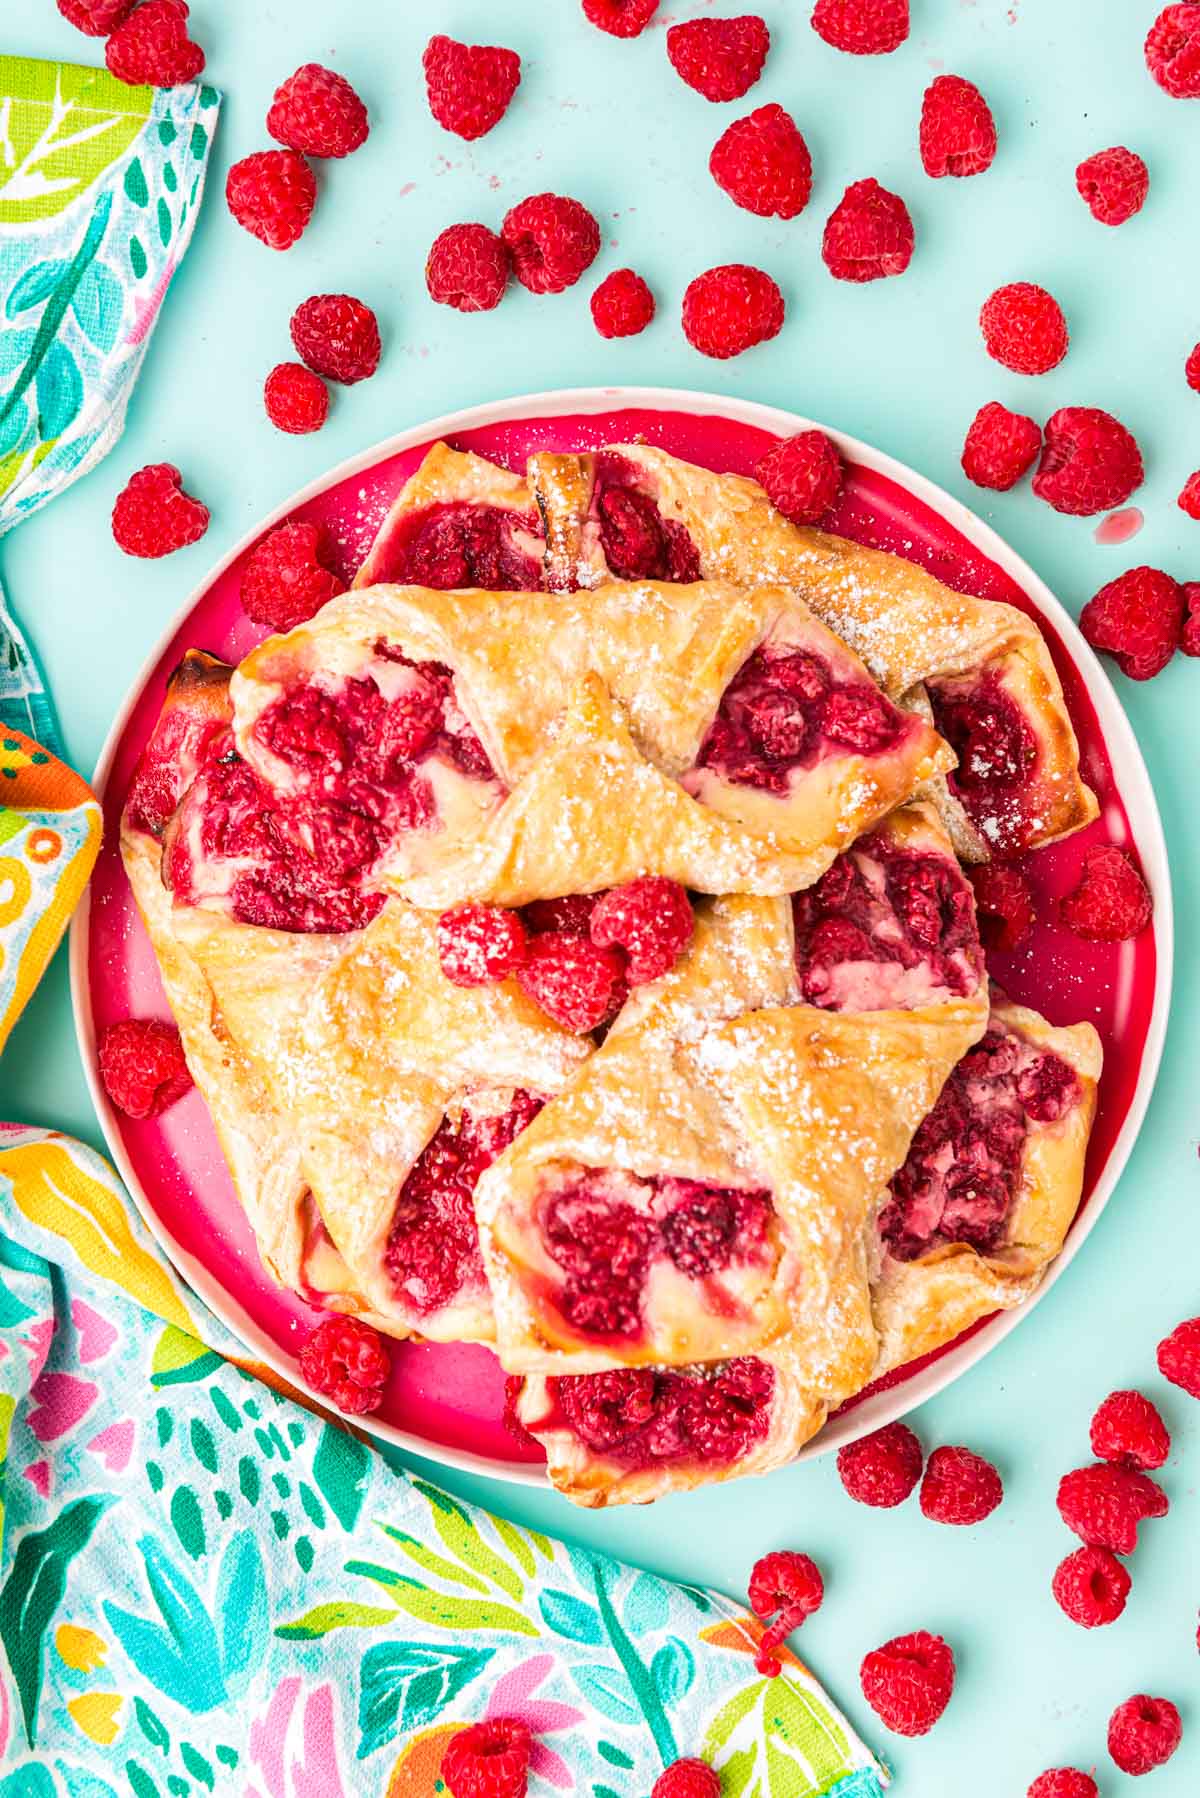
point(898, 363)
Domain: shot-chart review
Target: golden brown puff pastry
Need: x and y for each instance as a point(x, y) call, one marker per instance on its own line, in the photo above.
point(980, 669)
point(991, 1184)
point(459, 521)
point(513, 749)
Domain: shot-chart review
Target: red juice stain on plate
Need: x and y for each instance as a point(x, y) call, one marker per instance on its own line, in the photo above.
point(1119, 527)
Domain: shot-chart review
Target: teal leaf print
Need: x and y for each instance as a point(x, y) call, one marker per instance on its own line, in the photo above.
point(406, 1685)
point(616, 1757)
point(180, 1656)
point(151, 1726)
point(137, 258)
point(635, 1671)
point(135, 182)
point(98, 305)
point(55, 309)
point(140, 1782)
point(187, 1521)
point(14, 348)
point(341, 1469)
point(59, 391)
point(646, 1605)
point(340, 1614)
point(196, 1765)
point(673, 1669)
point(33, 1782)
point(35, 285)
point(242, 1612)
point(33, 1592)
point(570, 1617)
point(608, 1691)
point(13, 434)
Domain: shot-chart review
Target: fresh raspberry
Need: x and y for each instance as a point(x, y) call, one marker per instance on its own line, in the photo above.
point(958, 132)
point(318, 113)
point(1189, 497)
point(296, 399)
point(469, 86)
point(959, 1487)
point(95, 18)
point(479, 944)
point(1189, 640)
point(552, 241)
point(862, 27)
point(730, 309)
point(1144, 1732)
point(570, 915)
point(1001, 446)
point(1090, 462)
point(1110, 902)
point(763, 164)
point(489, 1760)
point(787, 1586)
point(802, 476)
point(1063, 1782)
point(720, 58)
point(622, 305)
point(1024, 328)
point(285, 581)
point(153, 516)
point(1137, 619)
point(651, 919)
point(908, 1682)
point(337, 336)
point(272, 194)
point(868, 235)
point(575, 981)
point(347, 1361)
point(142, 1066)
point(1114, 183)
point(1004, 905)
point(467, 268)
point(1104, 1505)
point(1191, 370)
point(620, 18)
point(687, 1779)
point(1091, 1586)
point(151, 47)
point(883, 1468)
point(1179, 1356)
point(1173, 51)
point(1127, 1428)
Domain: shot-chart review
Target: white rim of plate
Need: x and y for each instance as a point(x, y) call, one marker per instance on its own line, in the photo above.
point(1129, 772)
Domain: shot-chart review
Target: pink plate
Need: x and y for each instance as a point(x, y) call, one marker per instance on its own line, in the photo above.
point(445, 1402)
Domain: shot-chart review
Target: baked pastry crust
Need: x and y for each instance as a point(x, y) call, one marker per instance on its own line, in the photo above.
point(452, 478)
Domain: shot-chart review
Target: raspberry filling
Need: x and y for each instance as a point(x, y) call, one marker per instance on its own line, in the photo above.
point(432, 1250)
point(462, 545)
point(785, 709)
point(641, 1417)
point(639, 544)
point(886, 928)
point(606, 1230)
point(961, 1176)
point(997, 757)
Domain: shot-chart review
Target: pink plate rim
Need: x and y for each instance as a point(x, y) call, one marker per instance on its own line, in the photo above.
point(1129, 772)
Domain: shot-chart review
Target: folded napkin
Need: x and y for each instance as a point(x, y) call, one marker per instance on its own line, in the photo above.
point(206, 1585)
point(100, 184)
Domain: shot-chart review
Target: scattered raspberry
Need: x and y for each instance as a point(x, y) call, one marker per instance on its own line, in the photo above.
point(285, 580)
point(1004, 905)
point(651, 919)
point(469, 85)
point(142, 1066)
point(1104, 1505)
point(789, 1584)
point(958, 132)
point(908, 1682)
point(153, 516)
point(1191, 370)
point(1000, 447)
point(959, 1487)
point(489, 1760)
point(1091, 1586)
point(763, 164)
point(868, 235)
point(1128, 1428)
point(1090, 462)
point(862, 27)
point(883, 1468)
point(1179, 1356)
point(552, 241)
point(467, 268)
point(337, 336)
point(1024, 328)
point(272, 194)
point(575, 981)
point(1189, 498)
point(96, 18)
point(1111, 901)
point(1144, 1732)
point(296, 399)
point(347, 1361)
point(479, 944)
point(720, 58)
point(1114, 184)
point(1189, 640)
point(622, 305)
point(1063, 1782)
point(152, 48)
point(1137, 619)
point(1173, 51)
point(730, 309)
point(318, 113)
point(620, 18)
point(687, 1779)
point(802, 476)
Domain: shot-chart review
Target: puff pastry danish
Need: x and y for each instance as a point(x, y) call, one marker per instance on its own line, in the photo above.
point(459, 521)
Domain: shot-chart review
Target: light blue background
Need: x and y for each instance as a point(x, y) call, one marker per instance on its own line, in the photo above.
point(898, 363)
